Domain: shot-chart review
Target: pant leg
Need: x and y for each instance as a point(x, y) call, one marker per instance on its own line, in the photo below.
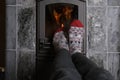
point(89, 70)
point(64, 68)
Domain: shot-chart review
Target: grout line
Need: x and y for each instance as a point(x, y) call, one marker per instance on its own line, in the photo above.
point(87, 27)
point(85, 32)
point(103, 6)
point(107, 36)
point(10, 50)
point(105, 52)
point(21, 5)
point(114, 52)
point(11, 5)
point(113, 6)
point(106, 3)
point(26, 50)
point(16, 43)
point(97, 6)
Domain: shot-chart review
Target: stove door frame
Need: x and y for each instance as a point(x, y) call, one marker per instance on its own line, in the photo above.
point(41, 17)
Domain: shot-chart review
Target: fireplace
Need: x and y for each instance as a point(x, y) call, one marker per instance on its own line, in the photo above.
point(48, 12)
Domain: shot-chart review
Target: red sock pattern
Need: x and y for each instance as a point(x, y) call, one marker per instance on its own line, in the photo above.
point(76, 34)
point(59, 40)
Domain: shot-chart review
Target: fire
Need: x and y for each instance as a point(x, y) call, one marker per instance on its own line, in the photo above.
point(62, 25)
point(66, 11)
point(57, 16)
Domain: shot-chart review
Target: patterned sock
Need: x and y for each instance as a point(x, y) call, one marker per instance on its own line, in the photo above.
point(59, 40)
point(76, 37)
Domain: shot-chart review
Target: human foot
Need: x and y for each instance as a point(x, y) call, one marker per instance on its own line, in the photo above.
point(59, 40)
point(76, 37)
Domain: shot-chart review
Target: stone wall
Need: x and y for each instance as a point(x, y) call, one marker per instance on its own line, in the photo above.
point(103, 33)
point(20, 39)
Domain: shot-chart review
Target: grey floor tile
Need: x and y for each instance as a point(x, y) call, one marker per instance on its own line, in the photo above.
point(26, 28)
point(113, 24)
point(114, 65)
point(96, 29)
point(97, 2)
point(26, 65)
point(10, 65)
point(10, 2)
point(99, 58)
point(11, 27)
point(26, 2)
point(114, 2)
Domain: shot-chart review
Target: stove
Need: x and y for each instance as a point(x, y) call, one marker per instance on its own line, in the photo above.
point(48, 12)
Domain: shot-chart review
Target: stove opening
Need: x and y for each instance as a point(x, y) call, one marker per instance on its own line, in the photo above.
point(58, 15)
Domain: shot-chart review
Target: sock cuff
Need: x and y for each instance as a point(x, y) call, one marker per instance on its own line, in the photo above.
point(77, 23)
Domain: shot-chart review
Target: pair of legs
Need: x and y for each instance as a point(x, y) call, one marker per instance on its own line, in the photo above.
point(77, 67)
point(69, 63)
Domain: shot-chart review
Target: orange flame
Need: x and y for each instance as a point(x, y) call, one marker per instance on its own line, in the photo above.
point(57, 16)
point(66, 11)
point(62, 25)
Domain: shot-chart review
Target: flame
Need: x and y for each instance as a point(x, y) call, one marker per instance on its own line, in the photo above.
point(66, 11)
point(57, 16)
point(62, 25)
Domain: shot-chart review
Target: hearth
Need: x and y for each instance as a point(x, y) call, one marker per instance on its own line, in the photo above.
point(48, 12)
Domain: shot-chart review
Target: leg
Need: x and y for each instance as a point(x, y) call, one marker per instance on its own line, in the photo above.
point(64, 69)
point(82, 63)
point(63, 59)
point(89, 70)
